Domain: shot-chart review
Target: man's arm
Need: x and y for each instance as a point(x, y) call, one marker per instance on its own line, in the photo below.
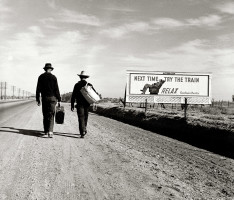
point(57, 90)
point(38, 91)
point(73, 98)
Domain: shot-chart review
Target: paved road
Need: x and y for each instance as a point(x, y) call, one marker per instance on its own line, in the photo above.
point(114, 161)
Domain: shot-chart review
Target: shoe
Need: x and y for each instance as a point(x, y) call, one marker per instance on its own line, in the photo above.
point(50, 134)
point(44, 134)
point(82, 135)
point(85, 132)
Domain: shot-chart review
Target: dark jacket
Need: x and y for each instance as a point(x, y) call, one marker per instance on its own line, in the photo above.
point(77, 96)
point(47, 85)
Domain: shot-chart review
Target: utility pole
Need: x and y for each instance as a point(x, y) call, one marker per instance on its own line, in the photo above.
point(13, 87)
point(1, 89)
point(19, 93)
point(5, 90)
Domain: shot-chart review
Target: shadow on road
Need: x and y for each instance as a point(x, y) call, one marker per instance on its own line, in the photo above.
point(67, 135)
point(35, 133)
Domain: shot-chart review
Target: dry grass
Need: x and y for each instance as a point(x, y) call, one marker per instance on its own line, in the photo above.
point(204, 116)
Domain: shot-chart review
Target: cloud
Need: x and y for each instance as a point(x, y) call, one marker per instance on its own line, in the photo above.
point(203, 21)
point(5, 26)
point(5, 12)
point(51, 4)
point(36, 31)
point(167, 23)
point(194, 55)
point(4, 8)
point(162, 24)
point(120, 31)
point(227, 7)
point(210, 20)
point(67, 44)
point(119, 9)
point(24, 45)
point(30, 47)
point(19, 56)
point(70, 16)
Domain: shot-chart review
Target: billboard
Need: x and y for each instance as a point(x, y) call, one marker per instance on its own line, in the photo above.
point(168, 87)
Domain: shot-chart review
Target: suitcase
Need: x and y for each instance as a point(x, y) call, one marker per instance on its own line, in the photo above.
point(59, 115)
point(89, 94)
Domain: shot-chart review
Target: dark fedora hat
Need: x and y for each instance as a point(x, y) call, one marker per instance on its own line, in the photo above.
point(83, 74)
point(48, 66)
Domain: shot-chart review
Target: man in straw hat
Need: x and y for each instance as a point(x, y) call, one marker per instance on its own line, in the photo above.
point(47, 86)
point(82, 105)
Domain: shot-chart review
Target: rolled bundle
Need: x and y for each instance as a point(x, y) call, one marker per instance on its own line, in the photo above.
point(89, 94)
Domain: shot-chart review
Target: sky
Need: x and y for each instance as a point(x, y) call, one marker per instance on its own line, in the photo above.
point(107, 37)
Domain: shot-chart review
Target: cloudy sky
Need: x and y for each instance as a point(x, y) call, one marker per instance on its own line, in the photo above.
point(107, 37)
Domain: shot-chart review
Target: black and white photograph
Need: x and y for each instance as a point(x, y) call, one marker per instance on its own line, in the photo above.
point(116, 100)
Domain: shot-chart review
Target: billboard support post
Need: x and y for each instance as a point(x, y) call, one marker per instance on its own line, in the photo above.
point(125, 93)
point(145, 105)
point(185, 108)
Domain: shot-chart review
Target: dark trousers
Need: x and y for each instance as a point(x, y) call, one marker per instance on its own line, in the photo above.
point(82, 112)
point(48, 110)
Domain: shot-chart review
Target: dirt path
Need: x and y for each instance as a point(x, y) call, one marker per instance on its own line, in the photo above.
point(114, 161)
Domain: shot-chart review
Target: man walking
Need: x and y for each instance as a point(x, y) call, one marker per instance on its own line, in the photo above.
point(47, 86)
point(82, 105)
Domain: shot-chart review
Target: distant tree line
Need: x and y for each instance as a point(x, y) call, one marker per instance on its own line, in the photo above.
point(67, 98)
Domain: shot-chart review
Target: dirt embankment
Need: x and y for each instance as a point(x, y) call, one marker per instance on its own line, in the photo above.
point(211, 133)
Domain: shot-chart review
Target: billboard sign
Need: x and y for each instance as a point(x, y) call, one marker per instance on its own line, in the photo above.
point(168, 87)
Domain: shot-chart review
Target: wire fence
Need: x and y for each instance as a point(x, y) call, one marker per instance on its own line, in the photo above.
point(8, 91)
point(223, 104)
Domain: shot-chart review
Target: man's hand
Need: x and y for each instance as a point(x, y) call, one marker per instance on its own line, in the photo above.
point(72, 108)
point(38, 103)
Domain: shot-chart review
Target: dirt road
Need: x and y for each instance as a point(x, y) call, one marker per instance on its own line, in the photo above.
point(114, 161)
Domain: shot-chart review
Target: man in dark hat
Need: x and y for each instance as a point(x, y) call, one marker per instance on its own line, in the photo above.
point(47, 86)
point(82, 105)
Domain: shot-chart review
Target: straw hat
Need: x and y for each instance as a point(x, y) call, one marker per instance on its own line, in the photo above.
point(83, 74)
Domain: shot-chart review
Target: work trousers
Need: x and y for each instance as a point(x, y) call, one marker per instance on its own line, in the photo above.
point(82, 112)
point(48, 110)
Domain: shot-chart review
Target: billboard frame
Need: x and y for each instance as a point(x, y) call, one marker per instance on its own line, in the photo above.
point(167, 98)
